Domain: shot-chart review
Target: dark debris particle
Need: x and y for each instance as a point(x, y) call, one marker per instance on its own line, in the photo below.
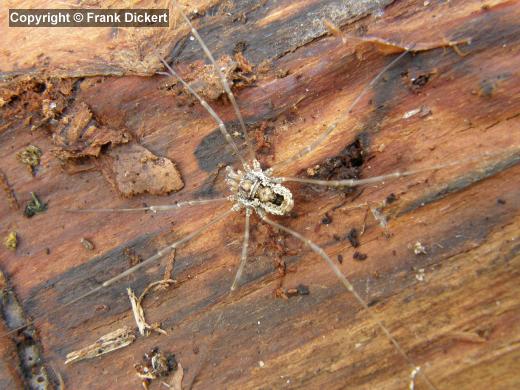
point(340, 259)
point(34, 206)
point(373, 302)
point(501, 201)
point(487, 87)
point(303, 289)
point(326, 220)
point(343, 166)
point(240, 47)
point(281, 73)
point(391, 198)
point(101, 308)
point(353, 237)
point(359, 256)
point(421, 80)
point(294, 292)
point(155, 365)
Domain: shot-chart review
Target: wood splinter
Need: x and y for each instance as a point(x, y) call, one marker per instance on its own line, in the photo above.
point(112, 341)
point(137, 308)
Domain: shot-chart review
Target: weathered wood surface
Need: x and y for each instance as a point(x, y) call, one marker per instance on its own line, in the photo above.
point(454, 310)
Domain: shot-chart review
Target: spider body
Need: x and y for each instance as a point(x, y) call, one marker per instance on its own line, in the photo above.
point(258, 190)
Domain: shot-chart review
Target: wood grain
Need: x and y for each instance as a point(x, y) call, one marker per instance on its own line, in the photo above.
point(455, 309)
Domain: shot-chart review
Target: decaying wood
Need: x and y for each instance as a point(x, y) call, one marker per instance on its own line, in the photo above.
point(453, 306)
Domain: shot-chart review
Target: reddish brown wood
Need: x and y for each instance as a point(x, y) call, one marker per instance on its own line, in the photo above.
point(459, 323)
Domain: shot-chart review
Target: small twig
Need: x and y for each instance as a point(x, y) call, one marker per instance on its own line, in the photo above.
point(138, 310)
point(117, 339)
point(161, 282)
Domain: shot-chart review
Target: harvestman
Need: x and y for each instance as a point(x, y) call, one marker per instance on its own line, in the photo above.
point(258, 190)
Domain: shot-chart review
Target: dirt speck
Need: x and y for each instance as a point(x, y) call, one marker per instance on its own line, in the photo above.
point(301, 289)
point(359, 256)
point(155, 365)
point(353, 237)
point(133, 258)
point(30, 156)
point(281, 73)
point(88, 245)
point(11, 241)
point(34, 206)
point(327, 219)
point(419, 248)
point(391, 198)
point(418, 78)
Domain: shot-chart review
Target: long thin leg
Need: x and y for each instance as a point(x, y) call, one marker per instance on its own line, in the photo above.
point(176, 205)
point(208, 108)
point(222, 78)
point(131, 270)
point(333, 125)
point(319, 251)
point(396, 175)
point(245, 245)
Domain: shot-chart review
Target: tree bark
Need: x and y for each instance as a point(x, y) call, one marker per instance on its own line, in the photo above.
point(442, 276)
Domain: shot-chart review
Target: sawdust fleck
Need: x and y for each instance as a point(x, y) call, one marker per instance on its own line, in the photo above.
point(11, 241)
